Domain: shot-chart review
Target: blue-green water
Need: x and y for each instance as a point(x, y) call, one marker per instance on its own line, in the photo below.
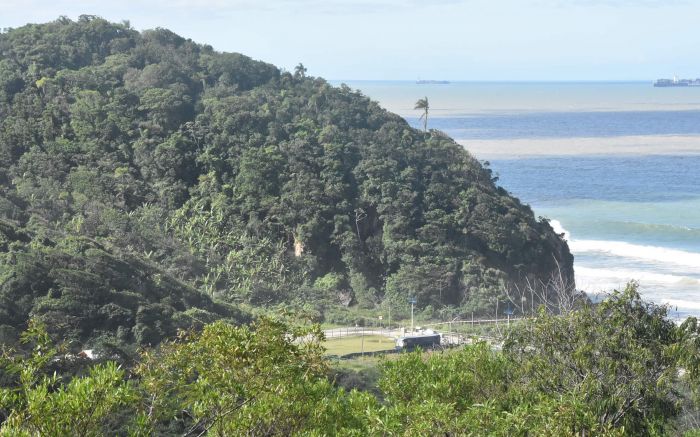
point(625, 217)
point(630, 213)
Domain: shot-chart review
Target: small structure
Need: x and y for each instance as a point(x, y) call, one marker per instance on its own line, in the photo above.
point(427, 339)
point(88, 354)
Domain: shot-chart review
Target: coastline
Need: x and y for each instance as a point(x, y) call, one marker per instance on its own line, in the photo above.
point(613, 162)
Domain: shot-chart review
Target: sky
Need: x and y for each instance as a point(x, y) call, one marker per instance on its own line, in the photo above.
point(411, 39)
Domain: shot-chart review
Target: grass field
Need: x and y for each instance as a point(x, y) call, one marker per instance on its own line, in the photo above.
point(349, 345)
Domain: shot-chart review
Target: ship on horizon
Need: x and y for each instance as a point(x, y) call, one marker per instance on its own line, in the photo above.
point(676, 82)
point(432, 82)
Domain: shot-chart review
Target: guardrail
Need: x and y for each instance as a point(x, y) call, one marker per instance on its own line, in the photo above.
point(450, 331)
point(477, 322)
point(443, 327)
point(358, 331)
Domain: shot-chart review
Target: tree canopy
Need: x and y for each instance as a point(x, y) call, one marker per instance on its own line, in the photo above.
point(143, 164)
point(425, 106)
point(614, 369)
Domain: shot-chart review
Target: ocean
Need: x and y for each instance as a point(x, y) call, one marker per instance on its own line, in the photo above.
point(613, 165)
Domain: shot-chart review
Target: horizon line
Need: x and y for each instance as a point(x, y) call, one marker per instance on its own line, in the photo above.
point(502, 80)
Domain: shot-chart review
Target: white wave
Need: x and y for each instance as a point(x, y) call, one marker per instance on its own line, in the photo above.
point(682, 304)
point(623, 276)
point(655, 254)
point(623, 249)
point(655, 284)
point(559, 229)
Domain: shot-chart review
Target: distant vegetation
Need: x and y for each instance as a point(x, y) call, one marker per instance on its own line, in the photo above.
point(148, 183)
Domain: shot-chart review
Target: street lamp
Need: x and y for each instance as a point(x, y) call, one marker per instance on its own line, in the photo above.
point(451, 336)
point(509, 312)
point(412, 301)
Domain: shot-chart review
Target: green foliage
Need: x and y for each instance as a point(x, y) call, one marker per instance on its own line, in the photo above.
point(43, 403)
point(620, 359)
point(96, 296)
point(610, 369)
point(259, 380)
point(185, 169)
point(329, 282)
point(607, 369)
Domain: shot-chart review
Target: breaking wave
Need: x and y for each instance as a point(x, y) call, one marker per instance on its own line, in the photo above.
point(625, 275)
point(658, 255)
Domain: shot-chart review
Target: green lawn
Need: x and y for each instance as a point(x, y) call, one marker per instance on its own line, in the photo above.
point(368, 343)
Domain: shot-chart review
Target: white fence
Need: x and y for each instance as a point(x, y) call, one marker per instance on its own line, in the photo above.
point(357, 331)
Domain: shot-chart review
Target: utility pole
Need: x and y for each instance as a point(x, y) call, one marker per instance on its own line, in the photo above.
point(451, 335)
point(496, 313)
point(412, 301)
point(362, 348)
point(509, 312)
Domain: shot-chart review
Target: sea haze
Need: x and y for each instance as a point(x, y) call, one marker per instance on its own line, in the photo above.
point(614, 166)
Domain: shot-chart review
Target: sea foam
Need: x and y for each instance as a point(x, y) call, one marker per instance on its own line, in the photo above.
point(646, 277)
point(682, 304)
point(559, 229)
point(658, 255)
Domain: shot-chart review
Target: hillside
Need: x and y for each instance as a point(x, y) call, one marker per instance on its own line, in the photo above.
point(150, 176)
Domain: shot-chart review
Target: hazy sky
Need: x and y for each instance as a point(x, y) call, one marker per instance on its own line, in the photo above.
point(410, 39)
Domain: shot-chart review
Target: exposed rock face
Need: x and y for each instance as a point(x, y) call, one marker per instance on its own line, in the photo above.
point(298, 248)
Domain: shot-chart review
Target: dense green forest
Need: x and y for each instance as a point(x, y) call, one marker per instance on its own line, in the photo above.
point(620, 368)
point(148, 183)
point(161, 202)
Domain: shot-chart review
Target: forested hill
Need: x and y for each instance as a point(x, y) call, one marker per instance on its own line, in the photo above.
point(148, 181)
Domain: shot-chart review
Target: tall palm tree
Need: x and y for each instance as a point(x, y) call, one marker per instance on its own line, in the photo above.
point(423, 104)
point(300, 71)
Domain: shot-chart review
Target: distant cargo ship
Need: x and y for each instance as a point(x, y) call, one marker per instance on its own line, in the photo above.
point(676, 82)
point(432, 82)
